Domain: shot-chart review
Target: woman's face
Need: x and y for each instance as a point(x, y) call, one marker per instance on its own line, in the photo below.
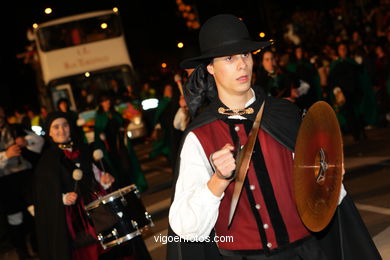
point(60, 130)
point(269, 62)
point(106, 105)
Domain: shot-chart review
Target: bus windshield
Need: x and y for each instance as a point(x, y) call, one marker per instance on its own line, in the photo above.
point(79, 32)
point(83, 92)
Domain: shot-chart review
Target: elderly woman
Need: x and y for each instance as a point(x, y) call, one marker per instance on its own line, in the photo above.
point(63, 229)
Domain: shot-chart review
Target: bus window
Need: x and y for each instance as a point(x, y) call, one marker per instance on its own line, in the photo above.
point(79, 32)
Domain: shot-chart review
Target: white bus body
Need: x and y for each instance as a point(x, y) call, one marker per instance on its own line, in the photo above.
point(84, 52)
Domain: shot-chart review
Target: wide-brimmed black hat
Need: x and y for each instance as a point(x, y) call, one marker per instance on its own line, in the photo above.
point(223, 35)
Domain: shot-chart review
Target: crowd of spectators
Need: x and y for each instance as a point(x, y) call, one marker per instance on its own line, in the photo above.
point(340, 56)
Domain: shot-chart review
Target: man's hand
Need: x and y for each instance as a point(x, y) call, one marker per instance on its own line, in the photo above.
point(21, 141)
point(224, 164)
point(70, 198)
point(12, 151)
point(224, 161)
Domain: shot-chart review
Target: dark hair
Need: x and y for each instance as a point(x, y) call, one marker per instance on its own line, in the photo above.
point(200, 89)
point(104, 97)
point(61, 100)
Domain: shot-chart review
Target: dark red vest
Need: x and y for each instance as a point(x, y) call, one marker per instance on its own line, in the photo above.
point(245, 229)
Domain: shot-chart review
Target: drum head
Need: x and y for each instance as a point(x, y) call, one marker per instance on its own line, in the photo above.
point(110, 197)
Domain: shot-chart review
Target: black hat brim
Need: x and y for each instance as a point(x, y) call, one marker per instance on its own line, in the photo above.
point(242, 46)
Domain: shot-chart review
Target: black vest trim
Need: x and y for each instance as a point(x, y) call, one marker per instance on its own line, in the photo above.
point(264, 180)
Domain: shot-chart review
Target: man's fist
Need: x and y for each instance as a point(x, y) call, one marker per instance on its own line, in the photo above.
point(223, 161)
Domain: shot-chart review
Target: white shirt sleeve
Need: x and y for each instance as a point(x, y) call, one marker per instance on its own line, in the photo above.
point(343, 193)
point(194, 210)
point(180, 121)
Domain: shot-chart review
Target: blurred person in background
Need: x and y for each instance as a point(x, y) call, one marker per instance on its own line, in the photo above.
point(86, 100)
point(111, 137)
point(305, 72)
point(270, 78)
point(116, 92)
point(147, 91)
point(381, 64)
point(19, 152)
point(22, 118)
point(163, 124)
point(351, 94)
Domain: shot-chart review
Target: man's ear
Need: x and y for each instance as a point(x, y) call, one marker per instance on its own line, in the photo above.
point(210, 69)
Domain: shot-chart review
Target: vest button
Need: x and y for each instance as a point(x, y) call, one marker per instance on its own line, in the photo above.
point(257, 206)
point(269, 245)
point(237, 128)
point(265, 226)
point(252, 187)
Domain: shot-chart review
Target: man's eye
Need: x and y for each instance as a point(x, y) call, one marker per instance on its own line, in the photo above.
point(245, 55)
point(229, 58)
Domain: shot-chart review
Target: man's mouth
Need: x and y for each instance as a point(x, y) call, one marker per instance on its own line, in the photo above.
point(243, 78)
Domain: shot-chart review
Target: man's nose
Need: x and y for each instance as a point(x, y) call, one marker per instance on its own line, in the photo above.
point(242, 63)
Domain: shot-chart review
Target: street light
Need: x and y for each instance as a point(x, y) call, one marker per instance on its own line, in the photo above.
point(104, 26)
point(163, 65)
point(262, 35)
point(180, 45)
point(48, 10)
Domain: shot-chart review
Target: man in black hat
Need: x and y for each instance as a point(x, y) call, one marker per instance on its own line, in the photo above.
point(266, 224)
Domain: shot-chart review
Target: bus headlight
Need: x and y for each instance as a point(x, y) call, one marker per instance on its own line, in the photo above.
point(37, 129)
point(149, 103)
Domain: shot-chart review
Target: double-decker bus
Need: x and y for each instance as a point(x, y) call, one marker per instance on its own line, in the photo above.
point(82, 56)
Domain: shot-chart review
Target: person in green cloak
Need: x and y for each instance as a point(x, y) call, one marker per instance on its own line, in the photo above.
point(357, 108)
point(302, 69)
point(163, 123)
point(111, 138)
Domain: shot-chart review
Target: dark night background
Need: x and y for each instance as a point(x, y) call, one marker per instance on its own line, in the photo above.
point(152, 30)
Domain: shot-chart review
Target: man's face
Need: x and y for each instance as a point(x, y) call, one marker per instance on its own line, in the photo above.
point(60, 130)
point(232, 74)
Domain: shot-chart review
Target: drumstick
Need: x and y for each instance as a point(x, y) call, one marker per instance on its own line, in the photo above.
point(98, 156)
point(77, 175)
point(177, 79)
